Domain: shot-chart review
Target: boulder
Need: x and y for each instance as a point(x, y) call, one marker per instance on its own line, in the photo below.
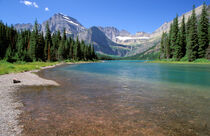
point(15, 81)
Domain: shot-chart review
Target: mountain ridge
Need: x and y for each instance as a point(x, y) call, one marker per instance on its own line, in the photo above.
point(117, 42)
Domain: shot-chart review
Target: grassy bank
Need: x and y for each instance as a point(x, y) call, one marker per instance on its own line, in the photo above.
point(6, 67)
point(198, 61)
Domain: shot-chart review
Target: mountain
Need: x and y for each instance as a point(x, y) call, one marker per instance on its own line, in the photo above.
point(102, 43)
point(23, 26)
point(141, 41)
point(110, 32)
point(108, 40)
point(60, 21)
point(123, 36)
point(166, 26)
point(75, 29)
point(57, 22)
point(152, 51)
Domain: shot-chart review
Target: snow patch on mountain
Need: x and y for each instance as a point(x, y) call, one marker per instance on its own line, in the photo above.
point(72, 22)
point(66, 18)
point(124, 38)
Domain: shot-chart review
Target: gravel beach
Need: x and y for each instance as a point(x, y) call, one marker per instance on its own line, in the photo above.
point(9, 105)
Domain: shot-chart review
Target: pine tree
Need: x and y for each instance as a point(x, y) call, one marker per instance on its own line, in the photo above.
point(203, 32)
point(178, 48)
point(93, 55)
point(58, 35)
point(56, 41)
point(64, 34)
point(48, 43)
point(169, 48)
point(209, 33)
point(192, 43)
point(83, 50)
point(79, 53)
point(66, 49)
point(75, 51)
point(53, 49)
point(33, 42)
point(3, 39)
point(188, 24)
point(174, 35)
point(20, 54)
point(182, 40)
point(164, 43)
point(33, 46)
point(12, 37)
point(162, 46)
point(9, 54)
point(40, 47)
point(71, 50)
point(61, 51)
point(188, 27)
point(165, 46)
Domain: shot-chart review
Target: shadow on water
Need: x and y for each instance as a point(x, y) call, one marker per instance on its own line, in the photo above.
point(116, 102)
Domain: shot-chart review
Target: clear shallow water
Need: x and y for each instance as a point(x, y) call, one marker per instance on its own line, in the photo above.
point(120, 98)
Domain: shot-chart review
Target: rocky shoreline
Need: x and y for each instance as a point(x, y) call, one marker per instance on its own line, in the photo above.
point(9, 105)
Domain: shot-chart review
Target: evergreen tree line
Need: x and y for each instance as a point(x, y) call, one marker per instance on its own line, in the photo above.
point(35, 46)
point(188, 41)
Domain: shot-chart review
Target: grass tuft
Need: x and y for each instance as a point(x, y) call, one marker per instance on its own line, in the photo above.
point(182, 61)
point(6, 67)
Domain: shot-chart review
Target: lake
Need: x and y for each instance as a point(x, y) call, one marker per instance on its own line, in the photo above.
point(119, 98)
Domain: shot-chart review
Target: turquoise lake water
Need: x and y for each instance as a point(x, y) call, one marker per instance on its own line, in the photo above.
point(190, 74)
point(120, 98)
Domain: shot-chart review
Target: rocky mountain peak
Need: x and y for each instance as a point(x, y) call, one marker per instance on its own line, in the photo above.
point(60, 21)
point(110, 32)
point(124, 33)
point(142, 34)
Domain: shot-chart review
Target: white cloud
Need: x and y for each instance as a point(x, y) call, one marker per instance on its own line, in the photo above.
point(35, 5)
point(29, 3)
point(46, 9)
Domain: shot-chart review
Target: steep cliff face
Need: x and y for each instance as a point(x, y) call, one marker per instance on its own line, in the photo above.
point(102, 43)
point(110, 32)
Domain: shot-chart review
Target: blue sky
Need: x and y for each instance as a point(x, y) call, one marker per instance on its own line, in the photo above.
point(131, 15)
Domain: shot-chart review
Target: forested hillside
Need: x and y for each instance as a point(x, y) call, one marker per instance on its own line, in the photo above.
point(33, 45)
point(188, 41)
